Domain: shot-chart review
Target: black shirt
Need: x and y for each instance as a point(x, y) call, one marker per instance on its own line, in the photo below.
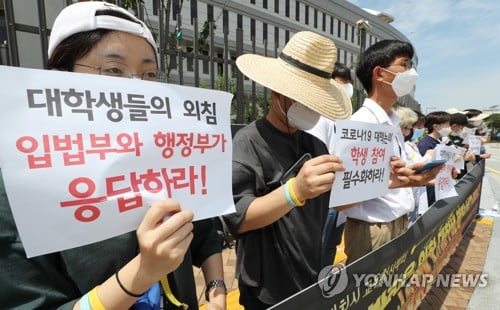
point(427, 143)
point(456, 140)
point(283, 258)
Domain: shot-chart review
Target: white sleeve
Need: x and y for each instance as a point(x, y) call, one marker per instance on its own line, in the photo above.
point(324, 130)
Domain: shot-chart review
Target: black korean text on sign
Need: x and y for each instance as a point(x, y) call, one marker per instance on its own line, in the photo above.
point(115, 104)
point(356, 134)
point(201, 108)
point(352, 178)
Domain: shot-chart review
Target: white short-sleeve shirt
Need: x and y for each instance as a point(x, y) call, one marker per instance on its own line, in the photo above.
point(398, 201)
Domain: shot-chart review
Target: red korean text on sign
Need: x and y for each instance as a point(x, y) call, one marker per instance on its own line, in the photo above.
point(186, 142)
point(73, 148)
point(87, 211)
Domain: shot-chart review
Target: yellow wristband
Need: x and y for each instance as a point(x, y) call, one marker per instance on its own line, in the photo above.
point(95, 302)
point(293, 195)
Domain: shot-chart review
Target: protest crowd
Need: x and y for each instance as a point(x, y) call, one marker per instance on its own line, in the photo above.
point(288, 218)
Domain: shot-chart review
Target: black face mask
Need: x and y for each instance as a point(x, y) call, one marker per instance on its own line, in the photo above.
point(408, 137)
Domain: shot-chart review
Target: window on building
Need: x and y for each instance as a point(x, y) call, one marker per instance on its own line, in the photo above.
point(3, 24)
point(205, 69)
point(352, 34)
point(339, 25)
point(277, 6)
point(239, 21)
point(345, 57)
point(252, 1)
point(307, 15)
point(324, 22)
point(156, 6)
point(346, 30)
point(331, 25)
point(371, 38)
point(190, 63)
point(210, 12)
point(252, 29)
point(315, 18)
point(297, 11)
point(339, 51)
point(287, 8)
point(264, 4)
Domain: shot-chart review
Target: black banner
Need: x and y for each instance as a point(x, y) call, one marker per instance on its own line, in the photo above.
point(399, 274)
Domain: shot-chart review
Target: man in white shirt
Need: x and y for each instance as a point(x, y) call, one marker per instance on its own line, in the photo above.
point(386, 72)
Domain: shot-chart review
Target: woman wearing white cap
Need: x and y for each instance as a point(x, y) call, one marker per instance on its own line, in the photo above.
point(98, 38)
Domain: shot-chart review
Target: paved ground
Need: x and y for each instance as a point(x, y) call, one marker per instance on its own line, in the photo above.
point(479, 251)
point(489, 297)
point(468, 259)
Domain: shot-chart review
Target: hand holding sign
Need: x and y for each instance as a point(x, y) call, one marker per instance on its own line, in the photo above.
point(316, 176)
point(399, 173)
point(163, 243)
point(425, 177)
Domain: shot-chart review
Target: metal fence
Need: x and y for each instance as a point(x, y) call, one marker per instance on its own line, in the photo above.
point(198, 41)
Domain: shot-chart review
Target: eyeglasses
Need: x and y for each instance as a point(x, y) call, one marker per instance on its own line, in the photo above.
point(407, 65)
point(117, 69)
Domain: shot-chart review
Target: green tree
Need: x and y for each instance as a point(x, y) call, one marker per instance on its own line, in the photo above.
point(493, 122)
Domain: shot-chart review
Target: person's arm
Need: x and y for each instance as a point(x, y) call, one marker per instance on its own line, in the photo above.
point(213, 270)
point(206, 249)
point(485, 155)
point(469, 156)
point(314, 178)
point(162, 245)
point(421, 179)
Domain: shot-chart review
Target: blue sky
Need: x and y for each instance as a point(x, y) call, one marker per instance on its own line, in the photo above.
point(458, 46)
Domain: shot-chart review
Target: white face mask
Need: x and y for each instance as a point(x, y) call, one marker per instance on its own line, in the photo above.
point(348, 89)
point(444, 132)
point(466, 132)
point(403, 82)
point(301, 117)
point(476, 123)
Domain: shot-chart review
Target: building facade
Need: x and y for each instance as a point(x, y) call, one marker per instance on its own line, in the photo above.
point(183, 29)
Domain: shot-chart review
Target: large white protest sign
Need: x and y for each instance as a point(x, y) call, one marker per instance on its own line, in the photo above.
point(84, 156)
point(365, 150)
point(444, 185)
point(474, 144)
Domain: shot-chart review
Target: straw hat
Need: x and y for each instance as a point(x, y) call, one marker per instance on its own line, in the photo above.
point(302, 73)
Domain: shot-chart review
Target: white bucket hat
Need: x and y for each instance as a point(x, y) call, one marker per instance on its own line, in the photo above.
point(454, 110)
point(302, 73)
point(81, 17)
